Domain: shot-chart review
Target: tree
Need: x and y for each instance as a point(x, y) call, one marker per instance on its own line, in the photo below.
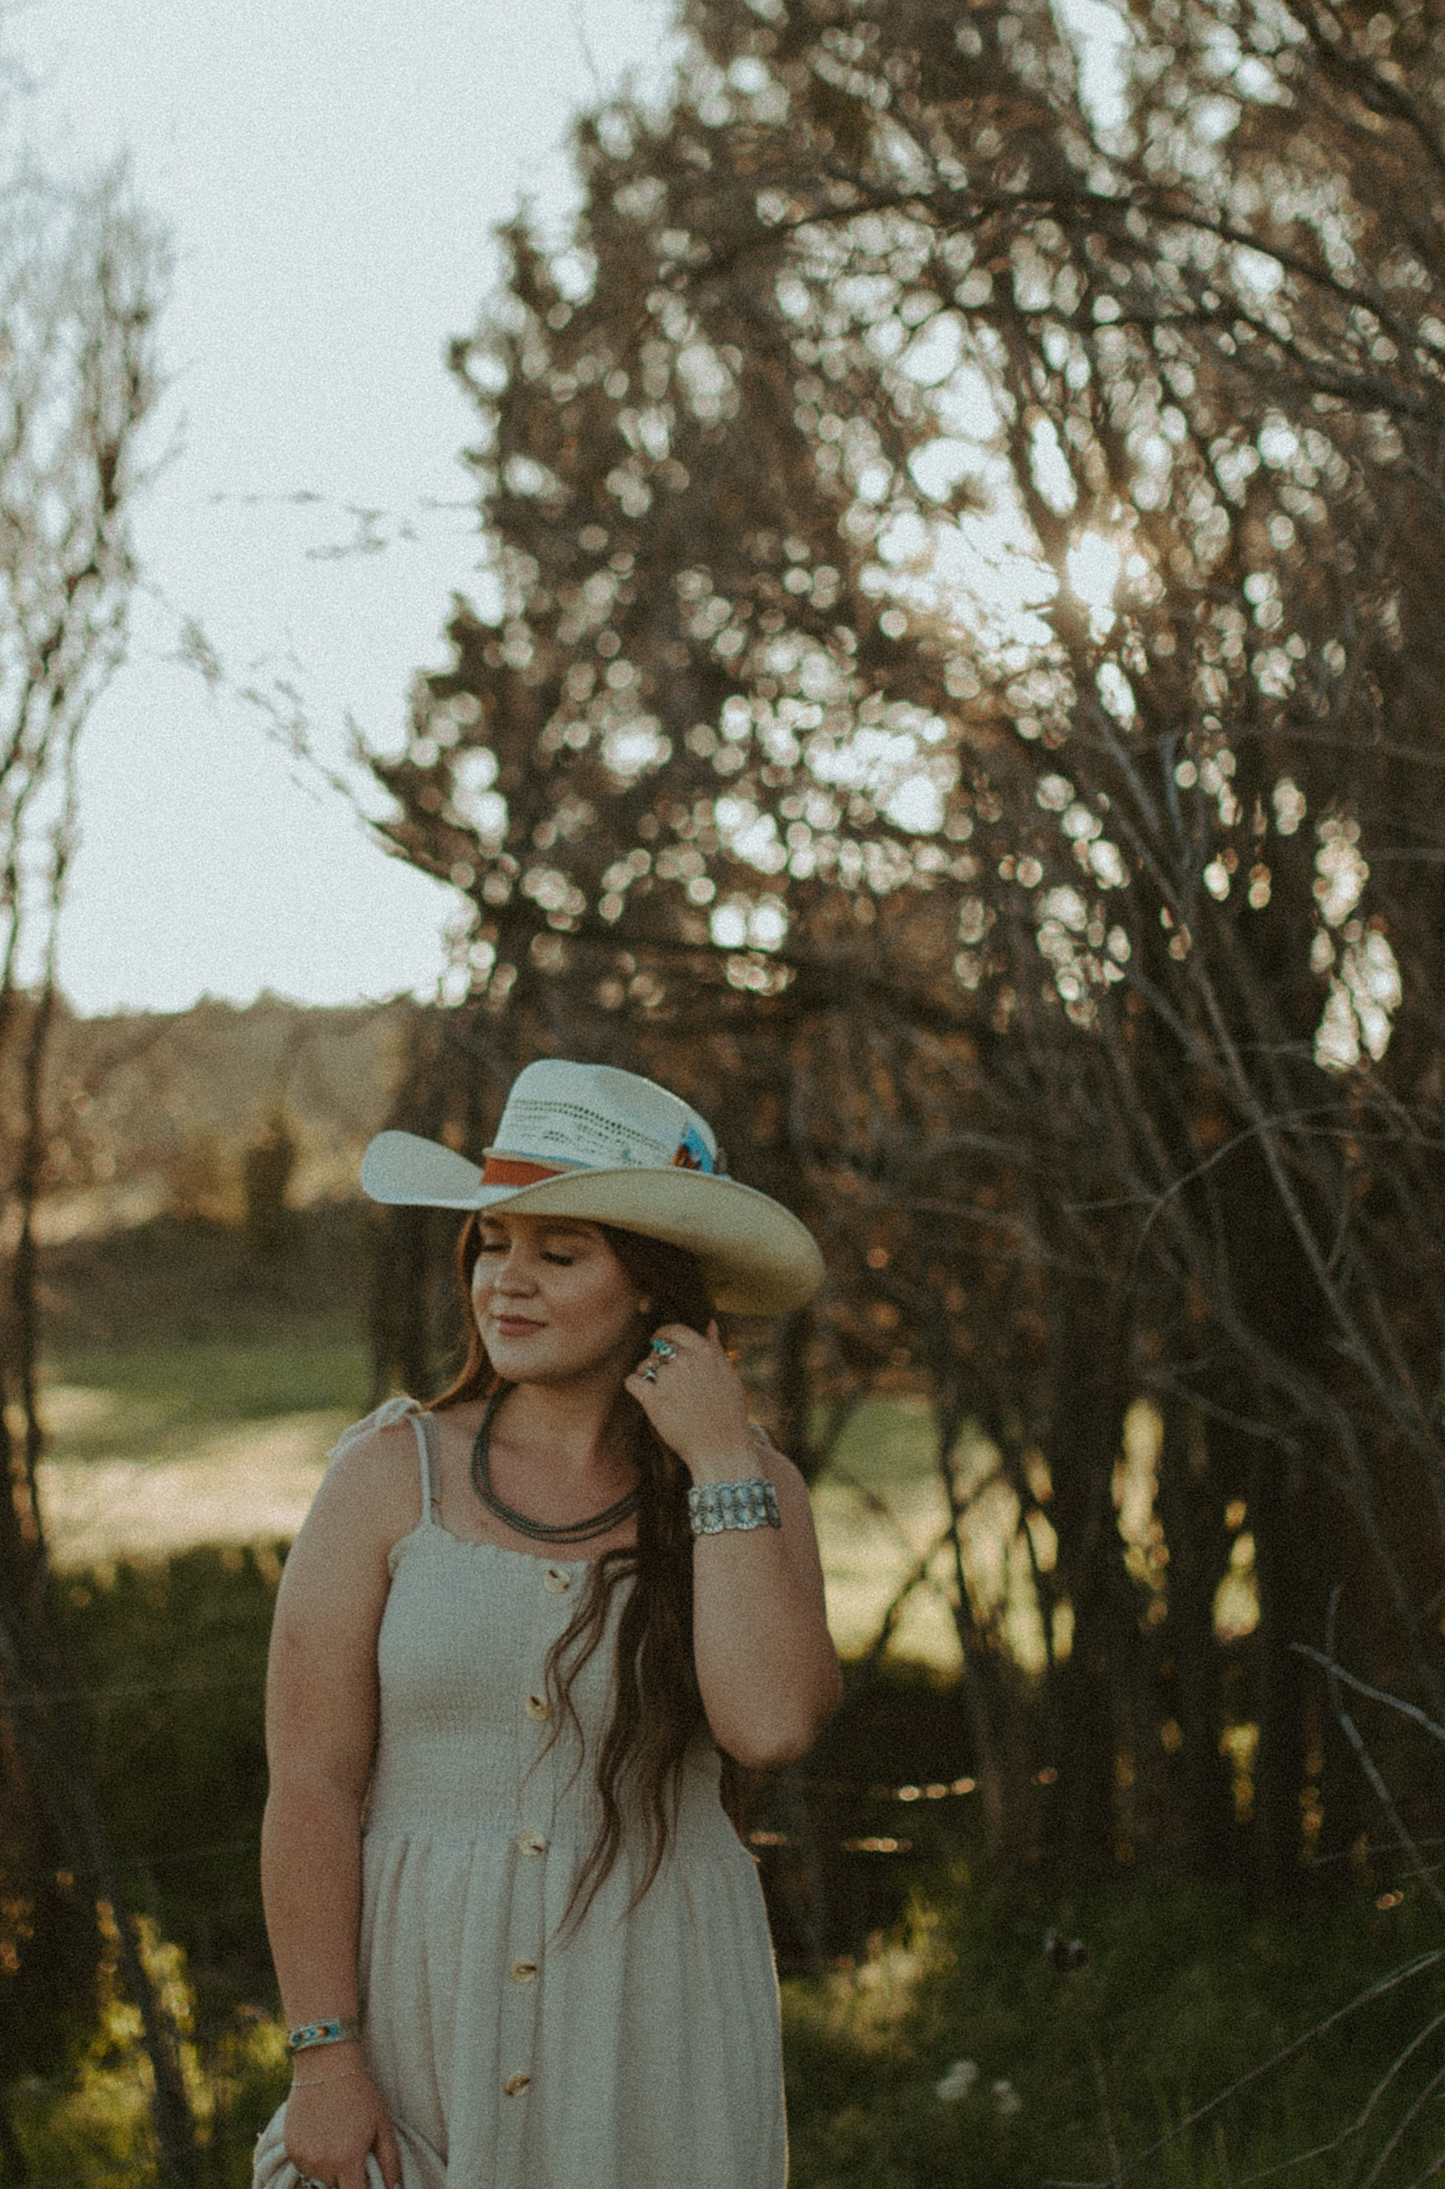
point(82, 276)
point(1087, 956)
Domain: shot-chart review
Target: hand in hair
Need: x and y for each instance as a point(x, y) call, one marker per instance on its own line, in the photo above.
point(767, 1671)
point(696, 1402)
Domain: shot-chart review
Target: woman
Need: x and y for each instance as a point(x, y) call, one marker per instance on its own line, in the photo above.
point(519, 1944)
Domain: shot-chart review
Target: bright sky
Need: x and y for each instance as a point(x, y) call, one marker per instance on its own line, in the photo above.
point(331, 171)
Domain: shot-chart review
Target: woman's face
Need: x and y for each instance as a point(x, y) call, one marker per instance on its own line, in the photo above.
point(552, 1301)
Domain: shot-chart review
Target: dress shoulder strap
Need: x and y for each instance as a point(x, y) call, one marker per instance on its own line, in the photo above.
point(425, 1428)
point(381, 1417)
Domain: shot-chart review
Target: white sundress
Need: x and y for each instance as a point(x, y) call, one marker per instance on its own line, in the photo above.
point(640, 2051)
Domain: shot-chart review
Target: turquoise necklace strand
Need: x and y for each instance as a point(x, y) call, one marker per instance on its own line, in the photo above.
point(541, 1531)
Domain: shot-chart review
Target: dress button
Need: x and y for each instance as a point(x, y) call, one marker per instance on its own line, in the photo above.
point(555, 1582)
point(515, 2085)
point(531, 1843)
point(523, 1971)
point(539, 1708)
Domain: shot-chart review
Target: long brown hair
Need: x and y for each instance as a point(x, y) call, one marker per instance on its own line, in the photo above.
point(657, 1709)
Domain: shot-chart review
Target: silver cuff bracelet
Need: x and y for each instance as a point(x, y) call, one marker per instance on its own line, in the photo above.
point(713, 1506)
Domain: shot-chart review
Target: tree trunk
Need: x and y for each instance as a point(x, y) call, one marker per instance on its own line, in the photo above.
point(1088, 1388)
point(1191, 1507)
point(17, 2168)
point(58, 1779)
point(1292, 1571)
point(793, 1392)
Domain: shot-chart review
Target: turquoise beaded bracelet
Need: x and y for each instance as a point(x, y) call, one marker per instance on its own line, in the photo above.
point(339, 2029)
point(713, 1506)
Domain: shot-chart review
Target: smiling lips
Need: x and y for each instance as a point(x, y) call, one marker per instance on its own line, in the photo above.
point(516, 1326)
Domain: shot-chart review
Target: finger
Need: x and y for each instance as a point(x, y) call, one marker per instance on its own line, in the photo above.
point(388, 2154)
point(715, 1346)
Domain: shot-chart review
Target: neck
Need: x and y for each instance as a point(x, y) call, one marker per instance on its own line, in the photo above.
point(569, 1420)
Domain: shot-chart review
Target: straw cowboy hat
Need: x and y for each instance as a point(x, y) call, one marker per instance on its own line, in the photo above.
point(589, 1141)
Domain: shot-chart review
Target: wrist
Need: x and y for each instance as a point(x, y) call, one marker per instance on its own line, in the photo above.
point(359, 2073)
point(320, 2062)
point(731, 1463)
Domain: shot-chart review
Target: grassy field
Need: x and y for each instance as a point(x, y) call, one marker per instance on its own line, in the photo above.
point(165, 1449)
point(154, 1402)
point(190, 1398)
point(955, 2054)
point(176, 1328)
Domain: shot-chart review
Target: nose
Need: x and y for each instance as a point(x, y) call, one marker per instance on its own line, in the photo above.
point(509, 1272)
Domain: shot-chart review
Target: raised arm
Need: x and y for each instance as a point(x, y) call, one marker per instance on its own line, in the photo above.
point(320, 1735)
point(766, 1664)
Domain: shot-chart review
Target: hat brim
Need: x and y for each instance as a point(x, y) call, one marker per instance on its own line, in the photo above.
point(757, 1257)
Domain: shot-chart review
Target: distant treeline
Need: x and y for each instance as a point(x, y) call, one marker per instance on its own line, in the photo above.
point(157, 1113)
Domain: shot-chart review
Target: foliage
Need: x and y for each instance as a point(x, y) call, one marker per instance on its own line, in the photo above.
point(83, 272)
point(1184, 1992)
point(150, 1112)
point(1060, 2076)
point(1069, 961)
point(266, 1174)
point(172, 1661)
point(93, 2123)
point(951, 2051)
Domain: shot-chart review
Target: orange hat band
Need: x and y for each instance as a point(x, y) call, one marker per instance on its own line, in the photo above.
point(506, 1170)
point(516, 1170)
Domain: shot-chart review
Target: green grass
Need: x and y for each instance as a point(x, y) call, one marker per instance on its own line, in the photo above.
point(179, 1329)
point(147, 1400)
point(1083, 2078)
point(1184, 1993)
point(1183, 1997)
point(887, 1443)
point(143, 1388)
point(176, 1328)
point(172, 1660)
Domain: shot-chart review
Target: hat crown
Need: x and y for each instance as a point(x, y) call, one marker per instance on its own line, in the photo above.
point(595, 1117)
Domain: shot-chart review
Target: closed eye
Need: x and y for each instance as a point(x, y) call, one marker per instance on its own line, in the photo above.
point(499, 1246)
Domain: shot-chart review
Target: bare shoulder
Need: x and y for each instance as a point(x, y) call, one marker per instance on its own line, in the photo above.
point(370, 1497)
